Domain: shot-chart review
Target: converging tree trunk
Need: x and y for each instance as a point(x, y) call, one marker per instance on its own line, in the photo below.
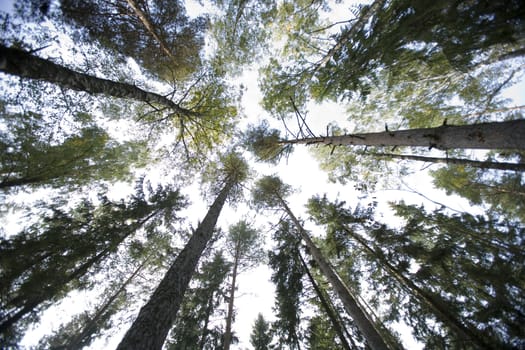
point(26, 65)
point(495, 135)
point(460, 161)
point(144, 18)
point(358, 315)
point(325, 302)
point(229, 317)
point(437, 307)
point(83, 337)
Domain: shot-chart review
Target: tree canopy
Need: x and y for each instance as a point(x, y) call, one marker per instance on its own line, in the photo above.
point(305, 174)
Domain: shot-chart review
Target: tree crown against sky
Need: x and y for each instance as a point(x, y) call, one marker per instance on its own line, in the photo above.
point(99, 94)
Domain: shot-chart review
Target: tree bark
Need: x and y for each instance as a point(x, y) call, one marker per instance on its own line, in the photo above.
point(151, 327)
point(495, 135)
point(143, 17)
point(352, 307)
point(467, 162)
point(325, 302)
point(26, 65)
point(229, 317)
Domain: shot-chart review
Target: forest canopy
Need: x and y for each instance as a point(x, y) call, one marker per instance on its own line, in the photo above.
point(262, 174)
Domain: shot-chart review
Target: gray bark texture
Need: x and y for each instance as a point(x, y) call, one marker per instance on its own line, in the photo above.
point(361, 319)
point(151, 327)
point(26, 65)
point(458, 161)
point(495, 135)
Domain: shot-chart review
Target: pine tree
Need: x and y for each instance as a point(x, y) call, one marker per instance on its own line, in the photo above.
point(260, 337)
point(193, 327)
point(245, 245)
point(270, 192)
point(151, 327)
point(50, 257)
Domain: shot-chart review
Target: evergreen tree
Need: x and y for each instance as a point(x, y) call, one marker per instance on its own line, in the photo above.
point(260, 338)
point(29, 157)
point(270, 192)
point(43, 262)
point(151, 327)
point(244, 243)
point(287, 277)
point(193, 327)
point(344, 226)
point(503, 193)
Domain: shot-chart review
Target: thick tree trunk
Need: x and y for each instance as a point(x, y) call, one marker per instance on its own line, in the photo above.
point(229, 317)
point(352, 307)
point(25, 65)
point(155, 319)
point(496, 135)
point(325, 302)
point(438, 308)
point(467, 162)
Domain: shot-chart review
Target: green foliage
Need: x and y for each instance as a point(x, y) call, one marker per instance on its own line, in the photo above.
point(115, 25)
point(40, 264)
point(287, 277)
point(502, 192)
point(230, 169)
point(240, 33)
point(268, 192)
point(476, 260)
point(261, 338)
point(193, 328)
point(30, 157)
point(245, 244)
point(263, 143)
point(321, 335)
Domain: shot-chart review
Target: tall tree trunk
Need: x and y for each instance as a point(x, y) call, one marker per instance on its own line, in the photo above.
point(151, 327)
point(429, 300)
point(352, 307)
point(495, 135)
point(467, 162)
point(325, 302)
point(26, 65)
point(229, 317)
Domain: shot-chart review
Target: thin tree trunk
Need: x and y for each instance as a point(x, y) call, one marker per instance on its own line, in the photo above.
point(89, 328)
point(79, 272)
point(468, 162)
point(25, 65)
point(495, 135)
point(229, 317)
point(352, 307)
point(205, 330)
point(325, 302)
point(143, 17)
point(439, 309)
point(151, 327)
